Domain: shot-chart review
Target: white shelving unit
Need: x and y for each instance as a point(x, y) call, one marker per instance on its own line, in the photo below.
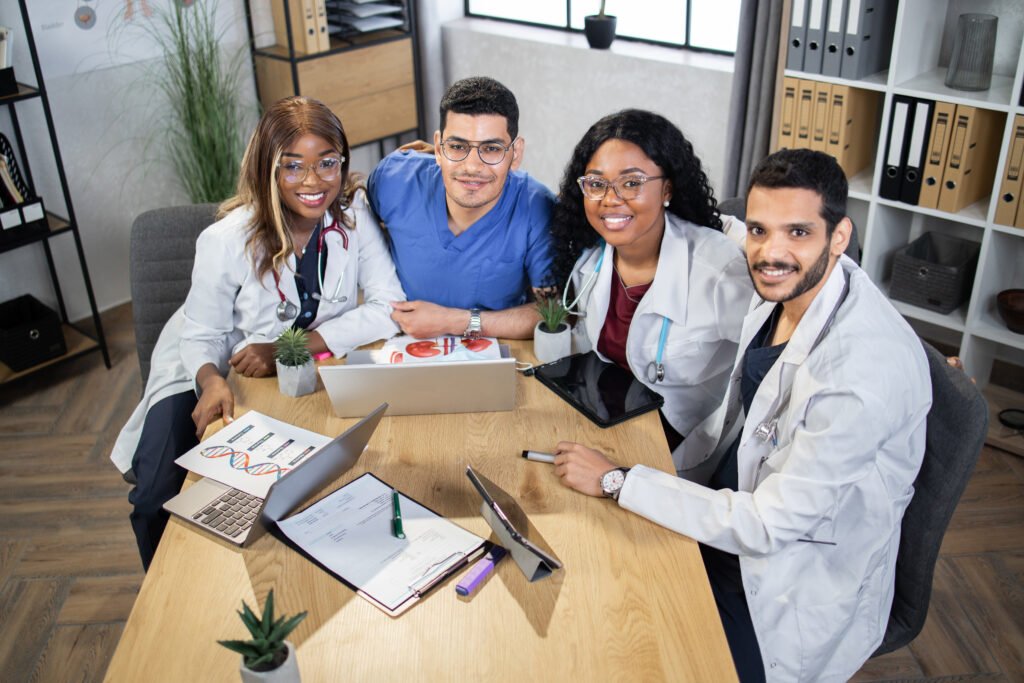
point(921, 46)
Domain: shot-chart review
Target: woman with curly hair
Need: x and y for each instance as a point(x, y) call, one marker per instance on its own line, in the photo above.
point(659, 289)
point(291, 249)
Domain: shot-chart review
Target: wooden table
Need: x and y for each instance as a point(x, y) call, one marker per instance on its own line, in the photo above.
point(632, 603)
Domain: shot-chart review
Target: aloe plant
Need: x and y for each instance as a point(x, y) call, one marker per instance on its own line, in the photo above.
point(552, 313)
point(266, 651)
point(292, 347)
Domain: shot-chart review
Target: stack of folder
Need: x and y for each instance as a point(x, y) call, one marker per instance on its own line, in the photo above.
point(836, 119)
point(347, 17)
point(842, 38)
point(940, 155)
point(308, 21)
point(1009, 208)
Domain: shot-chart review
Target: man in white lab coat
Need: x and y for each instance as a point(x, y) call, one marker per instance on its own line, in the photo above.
point(797, 484)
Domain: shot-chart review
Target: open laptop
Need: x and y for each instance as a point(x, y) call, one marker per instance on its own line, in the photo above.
point(241, 518)
point(420, 388)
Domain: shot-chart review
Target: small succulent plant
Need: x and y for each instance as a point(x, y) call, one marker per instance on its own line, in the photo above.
point(266, 651)
point(552, 313)
point(292, 347)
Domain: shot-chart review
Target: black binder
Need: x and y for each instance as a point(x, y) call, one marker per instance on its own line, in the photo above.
point(917, 148)
point(901, 121)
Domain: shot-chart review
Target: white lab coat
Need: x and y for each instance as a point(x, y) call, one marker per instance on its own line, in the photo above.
point(842, 472)
point(702, 286)
point(228, 308)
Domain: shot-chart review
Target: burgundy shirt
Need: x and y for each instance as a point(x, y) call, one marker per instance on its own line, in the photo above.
point(612, 342)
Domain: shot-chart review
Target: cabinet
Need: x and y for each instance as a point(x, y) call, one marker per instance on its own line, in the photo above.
point(30, 100)
point(369, 79)
point(920, 53)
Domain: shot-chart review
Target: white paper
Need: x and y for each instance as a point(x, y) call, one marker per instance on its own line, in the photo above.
point(365, 9)
point(349, 532)
point(368, 24)
point(406, 349)
point(252, 452)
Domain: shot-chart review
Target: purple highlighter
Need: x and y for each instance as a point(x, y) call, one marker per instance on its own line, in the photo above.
point(475, 577)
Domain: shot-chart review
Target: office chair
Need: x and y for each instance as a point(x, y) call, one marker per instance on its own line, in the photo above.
point(957, 425)
point(737, 206)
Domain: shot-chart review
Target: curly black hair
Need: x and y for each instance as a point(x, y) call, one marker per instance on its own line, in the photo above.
point(692, 197)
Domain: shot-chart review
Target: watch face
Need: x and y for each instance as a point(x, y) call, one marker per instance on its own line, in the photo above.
point(612, 481)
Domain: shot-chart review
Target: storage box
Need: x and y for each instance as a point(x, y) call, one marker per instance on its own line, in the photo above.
point(30, 333)
point(935, 271)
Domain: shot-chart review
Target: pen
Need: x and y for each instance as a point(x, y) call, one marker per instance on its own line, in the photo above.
point(396, 516)
point(475, 577)
point(537, 456)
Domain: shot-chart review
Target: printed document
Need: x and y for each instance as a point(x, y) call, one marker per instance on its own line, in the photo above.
point(252, 452)
point(349, 532)
point(447, 349)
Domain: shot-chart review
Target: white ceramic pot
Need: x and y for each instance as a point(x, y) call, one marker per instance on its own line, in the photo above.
point(296, 380)
point(288, 672)
point(550, 346)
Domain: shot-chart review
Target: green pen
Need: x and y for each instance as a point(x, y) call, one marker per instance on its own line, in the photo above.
point(396, 516)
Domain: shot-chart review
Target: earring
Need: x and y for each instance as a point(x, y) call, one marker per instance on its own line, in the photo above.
point(665, 203)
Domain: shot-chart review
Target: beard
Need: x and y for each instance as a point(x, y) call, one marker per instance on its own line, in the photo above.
point(808, 282)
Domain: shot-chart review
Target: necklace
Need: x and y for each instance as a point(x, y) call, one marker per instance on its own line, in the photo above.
point(625, 289)
point(308, 238)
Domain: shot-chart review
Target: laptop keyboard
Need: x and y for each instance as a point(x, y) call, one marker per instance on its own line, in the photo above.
point(231, 514)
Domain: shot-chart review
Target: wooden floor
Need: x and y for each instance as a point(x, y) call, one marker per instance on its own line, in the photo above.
point(69, 570)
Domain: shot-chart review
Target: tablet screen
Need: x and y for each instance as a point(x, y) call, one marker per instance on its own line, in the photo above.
point(606, 393)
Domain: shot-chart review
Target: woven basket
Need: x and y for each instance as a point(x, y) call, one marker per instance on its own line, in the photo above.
point(934, 271)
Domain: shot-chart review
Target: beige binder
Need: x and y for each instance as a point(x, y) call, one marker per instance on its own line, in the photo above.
point(819, 118)
point(804, 114)
point(973, 154)
point(852, 127)
point(322, 34)
point(787, 114)
point(1012, 179)
point(303, 20)
point(936, 153)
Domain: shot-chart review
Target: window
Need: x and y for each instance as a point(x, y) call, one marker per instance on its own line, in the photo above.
point(706, 25)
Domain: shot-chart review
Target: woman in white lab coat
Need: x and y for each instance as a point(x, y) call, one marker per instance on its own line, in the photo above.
point(657, 287)
point(292, 248)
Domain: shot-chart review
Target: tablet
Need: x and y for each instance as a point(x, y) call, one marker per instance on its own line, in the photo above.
point(606, 393)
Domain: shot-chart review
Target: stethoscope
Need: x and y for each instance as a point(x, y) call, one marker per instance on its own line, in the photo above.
point(286, 310)
point(656, 368)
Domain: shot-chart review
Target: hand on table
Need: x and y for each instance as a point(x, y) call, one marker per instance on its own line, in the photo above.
point(255, 360)
point(581, 468)
point(215, 401)
point(423, 320)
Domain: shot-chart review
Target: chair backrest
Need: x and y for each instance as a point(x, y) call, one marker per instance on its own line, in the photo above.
point(737, 206)
point(957, 425)
point(163, 249)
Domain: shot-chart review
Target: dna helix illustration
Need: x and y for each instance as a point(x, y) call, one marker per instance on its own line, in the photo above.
point(239, 460)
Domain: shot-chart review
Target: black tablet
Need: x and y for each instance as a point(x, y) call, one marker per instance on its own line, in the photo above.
point(606, 393)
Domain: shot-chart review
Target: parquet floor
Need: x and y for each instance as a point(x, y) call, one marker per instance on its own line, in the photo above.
point(69, 571)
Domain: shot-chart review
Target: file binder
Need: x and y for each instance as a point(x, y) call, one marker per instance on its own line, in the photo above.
point(853, 126)
point(900, 123)
point(1010, 186)
point(973, 151)
point(867, 42)
point(797, 35)
point(832, 58)
point(804, 114)
point(910, 186)
point(815, 36)
point(323, 37)
point(935, 157)
point(303, 25)
point(787, 115)
point(819, 119)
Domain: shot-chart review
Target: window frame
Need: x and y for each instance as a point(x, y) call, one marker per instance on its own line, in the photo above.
point(568, 28)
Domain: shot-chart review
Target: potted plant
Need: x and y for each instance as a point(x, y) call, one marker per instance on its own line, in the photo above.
point(552, 338)
point(296, 374)
point(599, 29)
point(268, 657)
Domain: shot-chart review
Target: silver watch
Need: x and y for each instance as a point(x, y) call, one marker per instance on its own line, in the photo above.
point(612, 481)
point(473, 329)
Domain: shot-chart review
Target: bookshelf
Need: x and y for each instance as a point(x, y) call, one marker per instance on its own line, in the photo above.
point(32, 99)
point(917, 68)
point(368, 78)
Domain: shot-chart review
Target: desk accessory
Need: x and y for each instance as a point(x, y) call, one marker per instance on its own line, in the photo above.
point(268, 657)
point(474, 578)
point(974, 48)
point(396, 515)
point(537, 456)
point(296, 373)
point(552, 337)
point(1010, 303)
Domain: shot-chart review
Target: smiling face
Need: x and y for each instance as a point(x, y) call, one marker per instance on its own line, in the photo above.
point(306, 201)
point(638, 223)
point(789, 251)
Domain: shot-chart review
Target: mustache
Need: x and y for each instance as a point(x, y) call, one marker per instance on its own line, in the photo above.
point(775, 265)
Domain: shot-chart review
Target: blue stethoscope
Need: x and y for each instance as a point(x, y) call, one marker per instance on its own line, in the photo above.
point(286, 310)
point(656, 368)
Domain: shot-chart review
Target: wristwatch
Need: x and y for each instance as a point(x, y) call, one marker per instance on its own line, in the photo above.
point(612, 481)
point(473, 329)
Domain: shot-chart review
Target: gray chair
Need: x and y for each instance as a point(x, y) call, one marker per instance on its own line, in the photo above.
point(737, 206)
point(163, 249)
point(957, 425)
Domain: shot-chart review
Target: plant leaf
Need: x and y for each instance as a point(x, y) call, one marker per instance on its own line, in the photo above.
point(268, 612)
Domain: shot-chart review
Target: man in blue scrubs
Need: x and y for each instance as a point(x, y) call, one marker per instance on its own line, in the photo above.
point(469, 233)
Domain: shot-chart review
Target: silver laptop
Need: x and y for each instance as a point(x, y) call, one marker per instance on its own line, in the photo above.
point(241, 518)
point(420, 388)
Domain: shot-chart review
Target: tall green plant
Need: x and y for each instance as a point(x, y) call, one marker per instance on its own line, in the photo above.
point(204, 134)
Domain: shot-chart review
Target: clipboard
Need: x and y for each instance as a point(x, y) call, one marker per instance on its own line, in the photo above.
point(510, 525)
point(434, 575)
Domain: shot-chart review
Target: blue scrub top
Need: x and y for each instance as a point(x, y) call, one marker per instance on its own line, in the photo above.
point(491, 265)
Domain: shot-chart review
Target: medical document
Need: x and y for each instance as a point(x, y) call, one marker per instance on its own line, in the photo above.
point(252, 452)
point(447, 349)
point(349, 532)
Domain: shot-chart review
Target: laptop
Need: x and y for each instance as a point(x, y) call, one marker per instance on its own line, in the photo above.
point(420, 388)
point(241, 518)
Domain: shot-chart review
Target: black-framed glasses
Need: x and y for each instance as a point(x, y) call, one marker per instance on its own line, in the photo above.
point(327, 169)
point(625, 186)
point(491, 153)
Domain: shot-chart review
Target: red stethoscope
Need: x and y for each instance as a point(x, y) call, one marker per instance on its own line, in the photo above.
point(286, 310)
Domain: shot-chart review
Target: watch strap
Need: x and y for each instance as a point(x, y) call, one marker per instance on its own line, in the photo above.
point(474, 328)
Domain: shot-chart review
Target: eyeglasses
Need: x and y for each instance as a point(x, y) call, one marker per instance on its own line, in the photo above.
point(327, 169)
point(626, 186)
point(491, 153)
